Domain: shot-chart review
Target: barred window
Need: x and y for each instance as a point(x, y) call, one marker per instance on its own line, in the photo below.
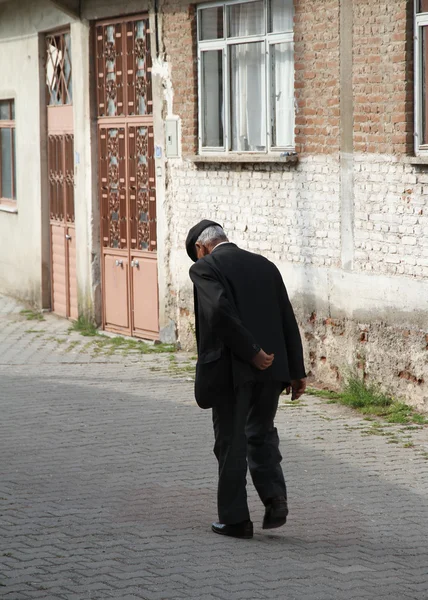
point(58, 69)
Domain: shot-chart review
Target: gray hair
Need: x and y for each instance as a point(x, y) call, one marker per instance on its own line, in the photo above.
point(212, 234)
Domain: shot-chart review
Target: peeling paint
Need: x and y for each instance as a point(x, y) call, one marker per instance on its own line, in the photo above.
point(162, 69)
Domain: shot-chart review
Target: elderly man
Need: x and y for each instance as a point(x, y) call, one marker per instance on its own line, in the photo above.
point(249, 350)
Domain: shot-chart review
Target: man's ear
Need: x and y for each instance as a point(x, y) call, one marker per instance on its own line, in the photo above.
point(201, 250)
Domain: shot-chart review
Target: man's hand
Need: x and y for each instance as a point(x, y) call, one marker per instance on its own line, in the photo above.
point(262, 360)
point(297, 388)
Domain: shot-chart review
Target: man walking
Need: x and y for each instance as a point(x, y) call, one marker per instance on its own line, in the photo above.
point(249, 350)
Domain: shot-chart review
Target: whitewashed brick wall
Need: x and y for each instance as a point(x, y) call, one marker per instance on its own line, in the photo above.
point(292, 213)
point(288, 213)
point(391, 216)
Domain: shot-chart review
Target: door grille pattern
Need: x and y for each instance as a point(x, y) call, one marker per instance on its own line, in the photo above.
point(127, 177)
point(112, 175)
point(142, 191)
point(61, 177)
point(124, 67)
point(127, 187)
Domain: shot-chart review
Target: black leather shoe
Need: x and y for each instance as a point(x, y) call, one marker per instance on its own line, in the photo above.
point(242, 530)
point(276, 513)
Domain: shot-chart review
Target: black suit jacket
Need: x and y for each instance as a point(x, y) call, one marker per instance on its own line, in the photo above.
point(241, 305)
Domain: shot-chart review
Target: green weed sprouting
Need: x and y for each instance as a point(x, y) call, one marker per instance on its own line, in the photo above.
point(371, 401)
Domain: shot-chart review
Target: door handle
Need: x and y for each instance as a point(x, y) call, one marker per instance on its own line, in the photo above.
point(119, 263)
point(68, 237)
point(135, 263)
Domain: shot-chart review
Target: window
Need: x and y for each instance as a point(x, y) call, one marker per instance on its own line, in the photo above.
point(421, 76)
point(7, 152)
point(246, 76)
point(58, 69)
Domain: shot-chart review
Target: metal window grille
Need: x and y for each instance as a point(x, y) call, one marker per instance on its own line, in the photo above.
point(58, 69)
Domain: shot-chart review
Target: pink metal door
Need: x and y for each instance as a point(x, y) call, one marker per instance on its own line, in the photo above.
point(116, 278)
point(61, 174)
point(127, 177)
point(144, 295)
point(63, 243)
point(70, 237)
point(58, 270)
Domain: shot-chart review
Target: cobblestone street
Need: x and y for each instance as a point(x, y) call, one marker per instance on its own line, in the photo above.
point(108, 486)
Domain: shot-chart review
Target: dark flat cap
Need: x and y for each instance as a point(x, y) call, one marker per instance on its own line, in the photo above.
point(193, 235)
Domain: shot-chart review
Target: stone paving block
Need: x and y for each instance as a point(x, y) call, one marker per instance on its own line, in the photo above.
point(108, 488)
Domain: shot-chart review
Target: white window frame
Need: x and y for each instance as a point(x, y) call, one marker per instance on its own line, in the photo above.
point(6, 202)
point(421, 20)
point(223, 44)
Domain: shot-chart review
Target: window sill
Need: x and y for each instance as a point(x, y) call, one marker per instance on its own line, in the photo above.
point(421, 159)
point(243, 158)
point(9, 208)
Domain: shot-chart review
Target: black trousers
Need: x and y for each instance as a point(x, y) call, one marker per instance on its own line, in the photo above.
point(244, 431)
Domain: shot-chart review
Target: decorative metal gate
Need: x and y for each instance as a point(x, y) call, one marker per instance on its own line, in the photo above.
point(61, 174)
point(127, 177)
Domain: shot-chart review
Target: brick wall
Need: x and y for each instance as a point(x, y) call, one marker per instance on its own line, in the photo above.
point(317, 89)
point(383, 76)
point(391, 195)
point(391, 216)
point(292, 213)
point(179, 38)
point(289, 213)
point(316, 72)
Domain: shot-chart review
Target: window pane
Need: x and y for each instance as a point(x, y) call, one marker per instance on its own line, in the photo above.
point(141, 65)
point(424, 88)
point(247, 97)
point(111, 74)
point(282, 87)
point(4, 110)
point(67, 68)
point(212, 99)
point(6, 163)
point(422, 6)
point(211, 23)
point(246, 19)
point(281, 16)
point(14, 163)
point(54, 57)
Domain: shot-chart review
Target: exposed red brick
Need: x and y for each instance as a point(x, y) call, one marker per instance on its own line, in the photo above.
point(382, 74)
